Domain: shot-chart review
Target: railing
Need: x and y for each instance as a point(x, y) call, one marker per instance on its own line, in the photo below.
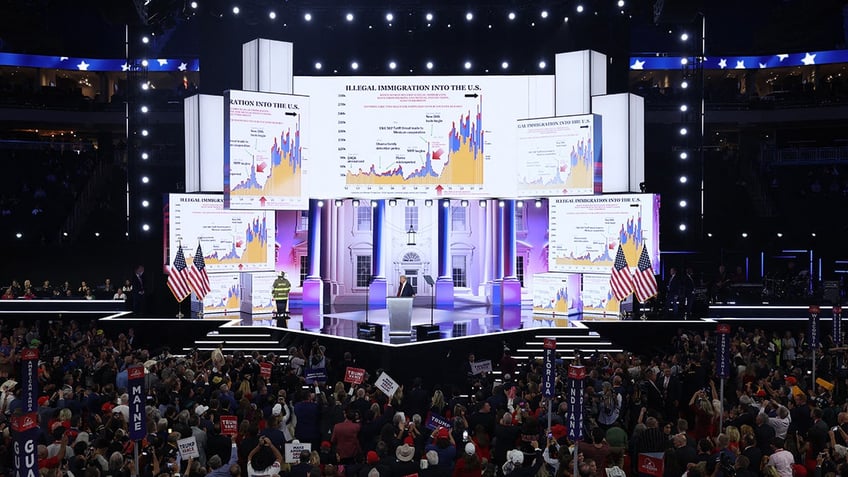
point(805, 155)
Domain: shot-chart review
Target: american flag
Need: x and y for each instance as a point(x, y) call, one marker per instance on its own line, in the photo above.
point(646, 282)
point(621, 281)
point(197, 276)
point(178, 277)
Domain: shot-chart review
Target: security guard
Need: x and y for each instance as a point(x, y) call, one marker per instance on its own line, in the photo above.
point(281, 290)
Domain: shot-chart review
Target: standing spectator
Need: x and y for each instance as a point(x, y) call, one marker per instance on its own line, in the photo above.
point(346, 439)
point(138, 292)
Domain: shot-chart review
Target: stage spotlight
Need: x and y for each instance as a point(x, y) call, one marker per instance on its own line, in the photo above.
point(145, 132)
point(565, 20)
point(780, 235)
point(467, 65)
point(349, 17)
point(446, 203)
point(392, 65)
point(428, 17)
point(542, 65)
point(428, 203)
point(463, 203)
point(813, 234)
point(519, 204)
point(145, 179)
point(579, 8)
point(317, 65)
point(307, 17)
point(64, 234)
point(272, 15)
point(392, 202)
point(469, 16)
point(410, 202)
point(709, 234)
point(97, 234)
point(504, 65)
point(483, 203)
point(684, 61)
point(683, 179)
point(501, 203)
point(144, 63)
point(145, 39)
point(320, 203)
point(354, 66)
point(538, 203)
point(144, 156)
point(684, 108)
point(511, 15)
point(684, 84)
point(339, 202)
point(544, 14)
point(145, 203)
point(374, 204)
point(236, 10)
point(355, 202)
point(683, 131)
point(684, 155)
point(682, 203)
point(19, 235)
point(684, 37)
point(620, 3)
point(744, 234)
point(145, 86)
point(682, 227)
point(193, 5)
point(429, 65)
point(145, 227)
point(390, 17)
point(144, 109)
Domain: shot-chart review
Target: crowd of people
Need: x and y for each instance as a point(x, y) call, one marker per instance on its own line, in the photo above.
point(104, 291)
point(303, 419)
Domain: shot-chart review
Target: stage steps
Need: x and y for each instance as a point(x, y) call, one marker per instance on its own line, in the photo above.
point(244, 338)
point(571, 342)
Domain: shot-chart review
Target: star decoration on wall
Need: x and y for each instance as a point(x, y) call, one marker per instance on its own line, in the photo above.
point(782, 56)
point(740, 64)
point(809, 59)
point(637, 65)
point(722, 63)
point(182, 67)
point(83, 66)
point(162, 62)
point(125, 66)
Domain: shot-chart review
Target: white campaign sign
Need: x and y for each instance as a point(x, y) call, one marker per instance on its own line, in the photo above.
point(188, 448)
point(484, 366)
point(386, 384)
point(293, 451)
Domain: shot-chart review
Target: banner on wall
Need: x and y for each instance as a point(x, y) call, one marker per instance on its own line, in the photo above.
point(559, 156)
point(421, 136)
point(232, 240)
point(266, 153)
point(585, 232)
point(557, 294)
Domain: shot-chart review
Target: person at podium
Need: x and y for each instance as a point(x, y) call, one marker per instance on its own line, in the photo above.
point(405, 289)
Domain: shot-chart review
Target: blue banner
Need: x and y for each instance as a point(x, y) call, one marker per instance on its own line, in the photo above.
point(435, 421)
point(549, 368)
point(98, 64)
point(25, 425)
point(731, 62)
point(723, 351)
point(574, 414)
point(814, 337)
point(138, 417)
point(315, 374)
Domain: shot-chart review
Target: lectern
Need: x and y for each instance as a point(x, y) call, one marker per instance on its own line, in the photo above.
point(400, 314)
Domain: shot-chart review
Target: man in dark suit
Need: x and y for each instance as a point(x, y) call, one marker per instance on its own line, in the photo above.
point(670, 388)
point(405, 289)
point(138, 291)
point(753, 453)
